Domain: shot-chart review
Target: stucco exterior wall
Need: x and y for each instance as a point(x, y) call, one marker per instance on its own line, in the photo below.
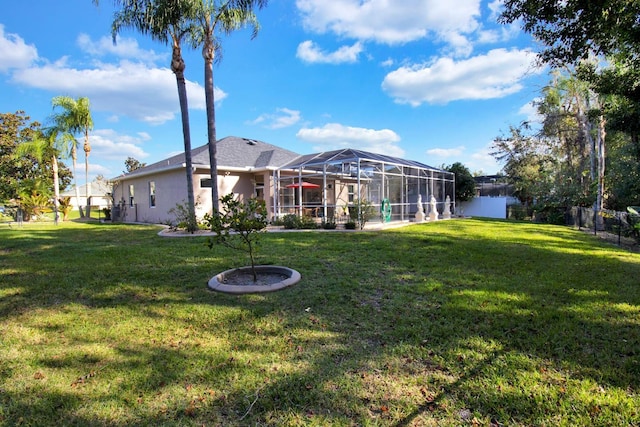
point(170, 189)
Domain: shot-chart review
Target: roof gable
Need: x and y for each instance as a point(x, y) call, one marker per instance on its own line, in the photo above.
point(232, 152)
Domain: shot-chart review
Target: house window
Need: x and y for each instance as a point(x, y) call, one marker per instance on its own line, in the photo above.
point(131, 198)
point(152, 194)
point(351, 192)
point(205, 183)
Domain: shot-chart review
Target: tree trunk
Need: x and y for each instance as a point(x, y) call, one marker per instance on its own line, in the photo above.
point(601, 160)
point(587, 146)
point(74, 158)
point(87, 190)
point(178, 66)
point(598, 169)
point(208, 55)
point(56, 190)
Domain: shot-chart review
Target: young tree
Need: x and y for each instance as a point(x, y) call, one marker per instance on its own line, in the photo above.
point(166, 21)
point(75, 118)
point(239, 226)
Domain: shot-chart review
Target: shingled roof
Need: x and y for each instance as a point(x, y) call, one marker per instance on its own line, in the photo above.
point(232, 153)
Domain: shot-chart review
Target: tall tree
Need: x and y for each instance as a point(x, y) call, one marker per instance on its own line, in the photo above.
point(75, 118)
point(166, 21)
point(19, 171)
point(216, 18)
point(45, 146)
point(565, 107)
point(528, 164)
point(572, 30)
point(132, 164)
point(465, 184)
point(15, 128)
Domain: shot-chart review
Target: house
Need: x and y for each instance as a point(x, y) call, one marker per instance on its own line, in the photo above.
point(99, 195)
point(321, 185)
point(245, 168)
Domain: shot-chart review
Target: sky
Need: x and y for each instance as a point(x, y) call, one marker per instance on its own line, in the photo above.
point(427, 80)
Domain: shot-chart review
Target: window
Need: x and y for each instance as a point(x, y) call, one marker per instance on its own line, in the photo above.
point(152, 194)
point(205, 183)
point(351, 192)
point(131, 198)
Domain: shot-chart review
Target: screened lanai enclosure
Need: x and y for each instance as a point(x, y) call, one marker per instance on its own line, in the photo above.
point(334, 185)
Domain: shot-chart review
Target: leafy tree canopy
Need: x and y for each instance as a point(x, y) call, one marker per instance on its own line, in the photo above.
point(15, 172)
point(465, 184)
point(574, 29)
point(133, 164)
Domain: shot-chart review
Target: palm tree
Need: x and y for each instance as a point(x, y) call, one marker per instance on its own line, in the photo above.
point(222, 16)
point(44, 145)
point(166, 21)
point(74, 119)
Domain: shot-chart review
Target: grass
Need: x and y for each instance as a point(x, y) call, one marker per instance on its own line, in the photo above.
point(465, 322)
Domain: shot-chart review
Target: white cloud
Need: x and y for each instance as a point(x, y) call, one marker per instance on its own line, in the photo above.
point(482, 161)
point(282, 118)
point(308, 51)
point(388, 62)
point(497, 74)
point(446, 152)
point(134, 88)
point(110, 149)
point(94, 171)
point(124, 48)
point(127, 88)
point(389, 22)
point(14, 52)
point(107, 144)
point(495, 7)
point(333, 136)
point(479, 160)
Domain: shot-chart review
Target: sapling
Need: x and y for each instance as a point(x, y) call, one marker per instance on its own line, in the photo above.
point(238, 225)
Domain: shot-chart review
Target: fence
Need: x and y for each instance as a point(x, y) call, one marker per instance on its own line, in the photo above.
point(622, 224)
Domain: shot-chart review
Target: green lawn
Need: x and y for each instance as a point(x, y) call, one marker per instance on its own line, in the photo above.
point(463, 322)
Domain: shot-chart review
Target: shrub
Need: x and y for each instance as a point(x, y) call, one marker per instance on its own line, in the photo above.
point(182, 219)
point(362, 212)
point(65, 207)
point(295, 222)
point(307, 223)
point(290, 221)
point(329, 224)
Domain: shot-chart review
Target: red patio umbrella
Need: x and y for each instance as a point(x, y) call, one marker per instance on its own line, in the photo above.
point(304, 184)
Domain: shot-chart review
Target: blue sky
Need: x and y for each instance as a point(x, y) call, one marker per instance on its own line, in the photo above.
point(428, 80)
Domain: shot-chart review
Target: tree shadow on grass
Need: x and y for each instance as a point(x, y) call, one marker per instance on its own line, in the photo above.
point(438, 330)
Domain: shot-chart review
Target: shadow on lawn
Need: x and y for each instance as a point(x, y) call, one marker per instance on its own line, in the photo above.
point(530, 300)
point(430, 328)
